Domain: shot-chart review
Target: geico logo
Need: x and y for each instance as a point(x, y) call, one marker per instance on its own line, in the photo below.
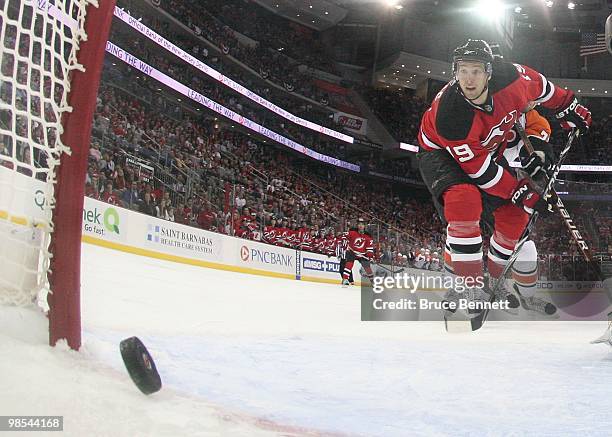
point(267, 257)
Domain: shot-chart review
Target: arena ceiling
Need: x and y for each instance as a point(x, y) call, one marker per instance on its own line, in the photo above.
point(564, 15)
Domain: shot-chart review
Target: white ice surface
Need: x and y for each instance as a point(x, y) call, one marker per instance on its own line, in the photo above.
point(245, 355)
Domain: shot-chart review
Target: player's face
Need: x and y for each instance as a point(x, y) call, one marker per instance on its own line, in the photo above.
point(472, 78)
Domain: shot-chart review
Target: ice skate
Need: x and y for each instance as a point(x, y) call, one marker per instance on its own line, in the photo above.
point(503, 295)
point(606, 337)
point(536, 304)
point(476, 295)
point(451, 296)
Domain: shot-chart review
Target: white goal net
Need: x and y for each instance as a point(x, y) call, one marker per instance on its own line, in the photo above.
point(39, 44)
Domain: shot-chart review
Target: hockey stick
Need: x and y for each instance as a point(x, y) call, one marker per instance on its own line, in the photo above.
point(477, 322)
point(567, 219)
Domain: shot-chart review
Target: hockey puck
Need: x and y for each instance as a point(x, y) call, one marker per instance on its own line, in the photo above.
point(140, 365)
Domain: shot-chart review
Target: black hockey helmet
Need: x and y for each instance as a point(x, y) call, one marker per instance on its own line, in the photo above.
point(475, 50)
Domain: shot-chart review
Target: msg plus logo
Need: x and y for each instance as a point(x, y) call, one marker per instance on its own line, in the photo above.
point(100, 222)
point(321, 265)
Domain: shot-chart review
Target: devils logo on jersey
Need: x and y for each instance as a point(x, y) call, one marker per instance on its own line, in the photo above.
point(498, 133)
point(359, 243)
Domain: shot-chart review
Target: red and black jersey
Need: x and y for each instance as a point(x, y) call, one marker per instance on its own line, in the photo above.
point(306, 239)
point(271, 234)
point(476, 136)
point(293, 238)
point(323, 243)
point(361, 244)
point(329, 246)
point(284, 236)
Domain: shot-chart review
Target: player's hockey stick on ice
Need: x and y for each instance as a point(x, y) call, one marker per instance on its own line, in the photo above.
point(477, 322)
point(577, 237)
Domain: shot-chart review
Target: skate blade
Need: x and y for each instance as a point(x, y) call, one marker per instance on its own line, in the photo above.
point(456, 326)
point(605, 338)
point(602, 340)
point(466, 323)
point(537, 315)
point(511, 311)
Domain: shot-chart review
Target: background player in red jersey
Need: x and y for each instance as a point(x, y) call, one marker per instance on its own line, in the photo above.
point(463, 137)
point(360, 247)
point(271, 233)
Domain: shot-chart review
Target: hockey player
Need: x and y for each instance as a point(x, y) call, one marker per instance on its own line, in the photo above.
point(284, 233)
point(525, 268)
point(305, 238)
point(319, 240)
point(330, 243)
point(271, 232)
point(463, 136)
point(360, 247)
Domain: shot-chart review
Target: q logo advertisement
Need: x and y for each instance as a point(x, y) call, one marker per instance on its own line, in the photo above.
point(40, 200)
point(111, 220)
point(104, 221)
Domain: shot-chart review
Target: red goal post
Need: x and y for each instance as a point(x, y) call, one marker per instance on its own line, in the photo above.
point(52, 55)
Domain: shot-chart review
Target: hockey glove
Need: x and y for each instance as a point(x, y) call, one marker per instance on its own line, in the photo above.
point(573, 115)
point(525, 196)
point(541, 161)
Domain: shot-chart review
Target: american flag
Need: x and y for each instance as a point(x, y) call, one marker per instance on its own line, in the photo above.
point(592, 43)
